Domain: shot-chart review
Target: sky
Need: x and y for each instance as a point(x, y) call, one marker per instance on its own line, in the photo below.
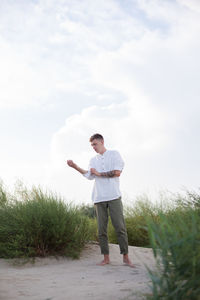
point(128, 69)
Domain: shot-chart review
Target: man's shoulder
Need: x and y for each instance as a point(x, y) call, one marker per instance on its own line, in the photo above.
point(113, 152)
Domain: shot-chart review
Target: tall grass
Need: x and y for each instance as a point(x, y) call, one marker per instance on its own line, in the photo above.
point(136, 216)
point(176, 246)
point(35, 223)
point(3, 195)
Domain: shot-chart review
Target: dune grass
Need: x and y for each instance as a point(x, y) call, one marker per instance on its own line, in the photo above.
point(35, 223)
point(175, 241)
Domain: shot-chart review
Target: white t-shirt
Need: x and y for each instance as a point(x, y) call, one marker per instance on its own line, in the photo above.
point(105, 189)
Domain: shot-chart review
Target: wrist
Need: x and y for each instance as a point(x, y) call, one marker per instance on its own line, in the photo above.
point(96, 173)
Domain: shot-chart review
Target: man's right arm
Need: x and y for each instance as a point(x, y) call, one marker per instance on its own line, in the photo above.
point(74, 166)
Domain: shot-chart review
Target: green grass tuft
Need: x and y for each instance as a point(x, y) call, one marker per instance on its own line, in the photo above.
point(41, 224)
point(176, 246)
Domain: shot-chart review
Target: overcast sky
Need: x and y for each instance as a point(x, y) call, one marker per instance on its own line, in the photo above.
point(128, 69)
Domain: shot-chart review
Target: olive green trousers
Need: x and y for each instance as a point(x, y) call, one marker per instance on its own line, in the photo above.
point(115, 209)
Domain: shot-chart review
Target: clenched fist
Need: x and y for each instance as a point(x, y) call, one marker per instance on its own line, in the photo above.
point(71, 163)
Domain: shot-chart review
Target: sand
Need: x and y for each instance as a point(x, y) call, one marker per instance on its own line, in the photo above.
point(66, 279)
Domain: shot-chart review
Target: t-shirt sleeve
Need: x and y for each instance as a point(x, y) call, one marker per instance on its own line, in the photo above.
point(118, 161)
point(88, 175)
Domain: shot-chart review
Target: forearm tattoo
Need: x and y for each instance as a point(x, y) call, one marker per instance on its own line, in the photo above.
point(108, 174)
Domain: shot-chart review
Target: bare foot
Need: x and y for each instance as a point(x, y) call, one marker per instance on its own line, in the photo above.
point(103, 262)
point(127, 261)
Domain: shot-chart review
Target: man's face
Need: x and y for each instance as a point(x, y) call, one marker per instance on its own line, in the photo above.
point(97, 145)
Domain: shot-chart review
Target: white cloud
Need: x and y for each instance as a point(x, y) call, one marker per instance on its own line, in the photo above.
point(194, 5)
point(49, 44)
point(20, 84)
point(146, 61)
point(133, 125)
point(135, 128)
point(154, 75)
point(161, 10)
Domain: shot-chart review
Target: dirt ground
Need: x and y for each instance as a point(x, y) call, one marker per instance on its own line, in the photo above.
point(67, 279)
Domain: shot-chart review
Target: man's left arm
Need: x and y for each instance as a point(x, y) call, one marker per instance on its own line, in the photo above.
point(109, 174)
point(118, 165)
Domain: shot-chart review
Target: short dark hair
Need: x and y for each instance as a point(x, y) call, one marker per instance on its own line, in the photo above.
point(96, 136)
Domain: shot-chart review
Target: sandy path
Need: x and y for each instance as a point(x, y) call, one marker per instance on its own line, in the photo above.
point(66, 279)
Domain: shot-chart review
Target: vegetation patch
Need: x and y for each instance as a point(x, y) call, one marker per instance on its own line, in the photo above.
point(35, 223)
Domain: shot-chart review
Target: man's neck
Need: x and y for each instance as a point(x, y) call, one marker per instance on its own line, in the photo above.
point(102, 151)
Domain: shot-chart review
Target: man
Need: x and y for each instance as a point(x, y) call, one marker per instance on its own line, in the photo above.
point(105, 168)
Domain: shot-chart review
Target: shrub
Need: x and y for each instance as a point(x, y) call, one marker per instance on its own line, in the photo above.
point(137, 231)
point(41, 224)
point(88, 210)
point(3, 195)
point(136, 221)
point(92, 229)
point(176, 247)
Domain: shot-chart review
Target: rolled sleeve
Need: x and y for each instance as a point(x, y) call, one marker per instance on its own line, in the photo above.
point(89, 176)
